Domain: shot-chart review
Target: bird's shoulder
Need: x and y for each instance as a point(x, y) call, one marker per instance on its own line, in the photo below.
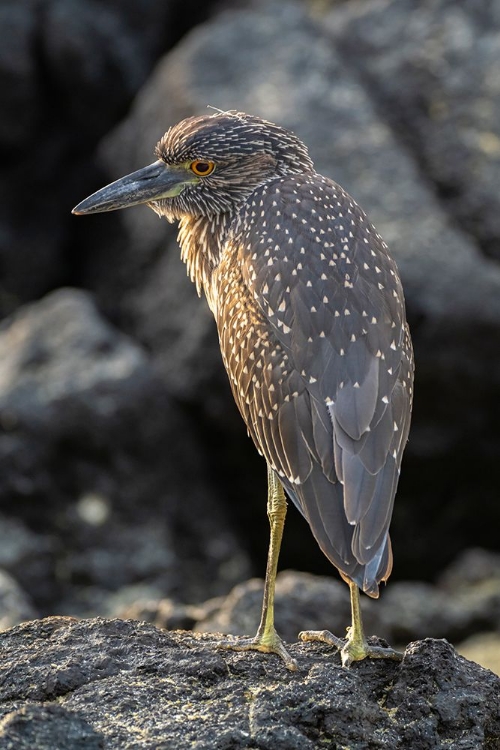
point(307, 212)
point(307, 233)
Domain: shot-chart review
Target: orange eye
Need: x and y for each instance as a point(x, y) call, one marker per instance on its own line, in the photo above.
point(202, 168)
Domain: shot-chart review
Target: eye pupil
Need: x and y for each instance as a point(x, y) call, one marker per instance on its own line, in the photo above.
point(202, 168)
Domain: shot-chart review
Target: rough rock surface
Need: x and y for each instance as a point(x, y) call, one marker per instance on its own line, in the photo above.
point(115, 684)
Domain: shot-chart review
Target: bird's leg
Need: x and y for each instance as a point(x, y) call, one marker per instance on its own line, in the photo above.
point(267, 639)
point(355, 647)
point(276, 512)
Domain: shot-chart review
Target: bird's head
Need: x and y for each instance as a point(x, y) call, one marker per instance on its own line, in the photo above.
point(206, 165)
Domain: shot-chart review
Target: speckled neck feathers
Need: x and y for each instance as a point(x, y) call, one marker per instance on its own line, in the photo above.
point(201, 239)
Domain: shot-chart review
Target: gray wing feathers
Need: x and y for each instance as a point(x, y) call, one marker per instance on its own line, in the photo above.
point(323, 439)
point(355, 403)
point(321, 503)
point(323, 509)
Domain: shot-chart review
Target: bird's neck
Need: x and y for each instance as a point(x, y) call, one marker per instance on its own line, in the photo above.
point(201, 240)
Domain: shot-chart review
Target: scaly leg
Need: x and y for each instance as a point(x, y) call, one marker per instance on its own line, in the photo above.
point(355, 647)
point(267, 639)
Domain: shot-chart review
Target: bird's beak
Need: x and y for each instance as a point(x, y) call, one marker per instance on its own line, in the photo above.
point(156, 181)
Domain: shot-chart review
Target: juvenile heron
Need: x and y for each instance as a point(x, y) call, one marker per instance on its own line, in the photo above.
point(311, 319)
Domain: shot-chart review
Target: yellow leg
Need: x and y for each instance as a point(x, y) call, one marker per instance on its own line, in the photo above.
point(355, 647)
point(267, 639)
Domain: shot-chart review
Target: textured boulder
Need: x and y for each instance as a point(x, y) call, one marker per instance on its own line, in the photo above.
point(129, 685)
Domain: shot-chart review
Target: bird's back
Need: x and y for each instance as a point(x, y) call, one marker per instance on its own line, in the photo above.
point(312, 326)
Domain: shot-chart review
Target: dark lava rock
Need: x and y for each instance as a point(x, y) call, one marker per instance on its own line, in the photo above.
point(131, 686)
point(96, 461)
point(47, 727)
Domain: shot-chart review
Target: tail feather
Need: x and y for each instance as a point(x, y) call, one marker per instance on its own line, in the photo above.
point(321, 502)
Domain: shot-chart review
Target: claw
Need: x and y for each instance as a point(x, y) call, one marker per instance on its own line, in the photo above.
point(270, 643)
point(350, 649)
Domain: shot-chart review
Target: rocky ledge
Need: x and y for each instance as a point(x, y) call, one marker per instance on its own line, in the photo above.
point(72, 685)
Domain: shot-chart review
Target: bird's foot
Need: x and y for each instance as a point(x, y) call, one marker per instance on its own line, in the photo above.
point(268, 642)
point(351, 649)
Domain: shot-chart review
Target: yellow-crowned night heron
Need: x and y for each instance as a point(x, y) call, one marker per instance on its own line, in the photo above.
point(311, 320)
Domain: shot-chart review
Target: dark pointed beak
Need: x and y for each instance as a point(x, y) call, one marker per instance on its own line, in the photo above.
point(156, 181)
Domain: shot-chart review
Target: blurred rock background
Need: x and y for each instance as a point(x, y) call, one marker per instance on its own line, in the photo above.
point(127, 483)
